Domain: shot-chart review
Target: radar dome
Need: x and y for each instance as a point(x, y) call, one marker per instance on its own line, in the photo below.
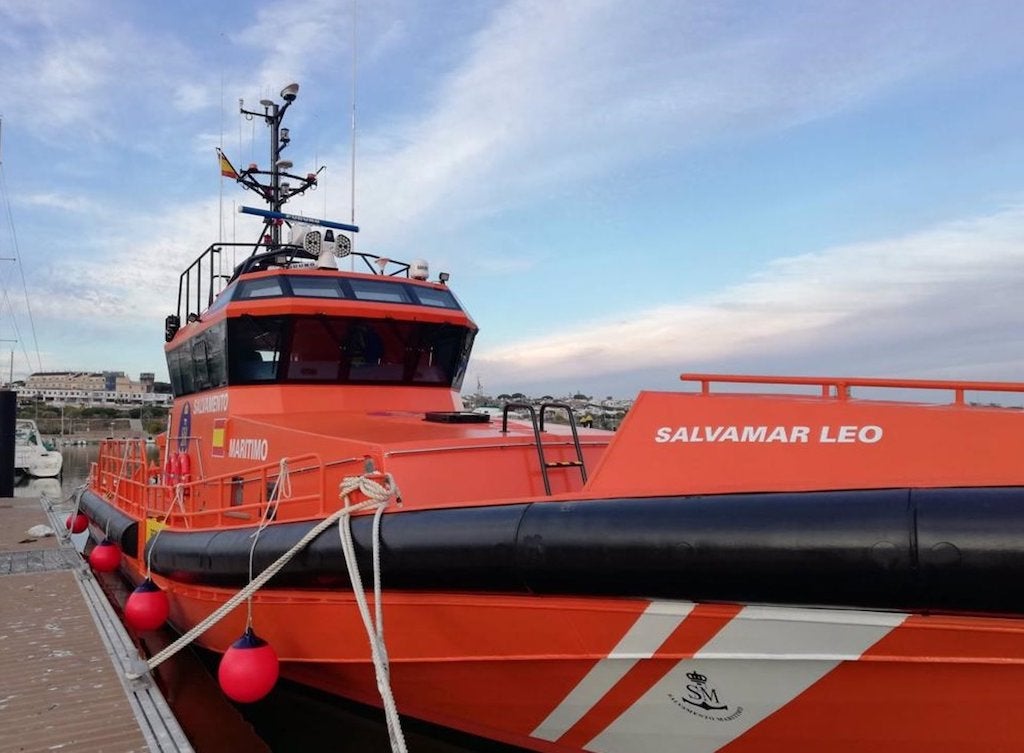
point(419, 269)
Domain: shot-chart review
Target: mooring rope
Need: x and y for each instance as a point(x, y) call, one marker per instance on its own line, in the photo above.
point(282, 489)
point(256, 584)
point(377, 497)
point(179, 501)
point(64, 534)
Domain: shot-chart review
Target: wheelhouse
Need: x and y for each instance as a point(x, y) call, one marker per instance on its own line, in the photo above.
point(323, 327)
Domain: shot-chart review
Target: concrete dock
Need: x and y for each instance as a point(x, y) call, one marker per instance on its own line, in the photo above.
point(63, 653)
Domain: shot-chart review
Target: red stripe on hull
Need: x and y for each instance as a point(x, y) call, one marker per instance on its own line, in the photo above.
point(933, 684)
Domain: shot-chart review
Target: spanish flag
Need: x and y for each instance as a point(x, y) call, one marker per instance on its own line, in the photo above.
point(226, 168)
point(217, 439)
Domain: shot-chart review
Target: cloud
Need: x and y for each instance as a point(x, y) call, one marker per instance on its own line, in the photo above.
point(292, 37)
point(543, 98)
point(74, 72)
point(937, 301)
point(60, 87)
point(134, 276)
point(190, 97)
point(62, 201)
point(550, 95)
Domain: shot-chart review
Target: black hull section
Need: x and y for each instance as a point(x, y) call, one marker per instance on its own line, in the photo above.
point(950, 550)
point(119, 528)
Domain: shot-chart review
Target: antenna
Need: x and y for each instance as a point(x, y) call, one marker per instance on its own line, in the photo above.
point(353, 167)
point(220, 183)
point(5, 202)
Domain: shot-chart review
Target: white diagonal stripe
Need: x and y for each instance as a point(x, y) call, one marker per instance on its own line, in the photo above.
point(764, 658)
point(650, 630)
point(778, 632)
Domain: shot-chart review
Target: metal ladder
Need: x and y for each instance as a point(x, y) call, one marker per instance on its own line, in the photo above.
point(538, 427)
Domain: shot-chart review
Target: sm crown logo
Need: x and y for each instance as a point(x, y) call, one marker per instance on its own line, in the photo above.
point(701, 698)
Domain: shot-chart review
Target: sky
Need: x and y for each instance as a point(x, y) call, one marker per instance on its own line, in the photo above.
point(621, 192)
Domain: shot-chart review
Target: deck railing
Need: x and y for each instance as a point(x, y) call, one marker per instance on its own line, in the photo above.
point(307, 490)
point(839, 387)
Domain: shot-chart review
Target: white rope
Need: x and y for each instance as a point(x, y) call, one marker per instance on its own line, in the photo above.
point(282, 488)
point(179, 500)
point(124, 458)
point(124, 463)
point(377, 497)
point(257, 583)
point(64, 535)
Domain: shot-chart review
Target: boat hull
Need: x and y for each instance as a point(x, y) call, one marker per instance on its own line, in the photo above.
point(738, 622)
point(556, 673)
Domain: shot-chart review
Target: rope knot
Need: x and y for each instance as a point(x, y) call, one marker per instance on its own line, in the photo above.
point(376, 492)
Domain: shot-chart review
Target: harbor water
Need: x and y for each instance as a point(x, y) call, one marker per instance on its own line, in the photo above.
point(291, 718)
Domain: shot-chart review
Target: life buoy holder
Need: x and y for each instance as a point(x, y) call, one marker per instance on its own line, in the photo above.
point(184, 464)
point(170, 470)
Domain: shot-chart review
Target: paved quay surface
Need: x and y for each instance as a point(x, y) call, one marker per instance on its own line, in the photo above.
point(63, 653)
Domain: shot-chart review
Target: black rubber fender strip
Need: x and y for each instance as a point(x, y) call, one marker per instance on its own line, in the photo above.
point(959, 550)
point(120, 528)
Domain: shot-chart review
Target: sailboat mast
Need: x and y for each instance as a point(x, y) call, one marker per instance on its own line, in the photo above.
point(352, 172)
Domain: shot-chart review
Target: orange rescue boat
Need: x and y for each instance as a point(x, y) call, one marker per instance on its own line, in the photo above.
point(784, 567)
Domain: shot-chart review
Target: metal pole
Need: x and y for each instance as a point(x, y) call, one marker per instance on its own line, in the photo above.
point(8, 412)
point(275, 177)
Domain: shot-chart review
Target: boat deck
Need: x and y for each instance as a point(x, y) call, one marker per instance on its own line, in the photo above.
point(63, 654)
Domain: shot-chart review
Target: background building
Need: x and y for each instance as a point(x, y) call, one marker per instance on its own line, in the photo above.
point(93, 388)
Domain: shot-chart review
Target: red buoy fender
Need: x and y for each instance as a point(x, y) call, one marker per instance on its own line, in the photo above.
point(76, 523)
point(105, 557)
point(147, 607)
point(249, 669)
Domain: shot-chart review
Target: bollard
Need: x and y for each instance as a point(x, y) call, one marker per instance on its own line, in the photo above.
point(8, 412)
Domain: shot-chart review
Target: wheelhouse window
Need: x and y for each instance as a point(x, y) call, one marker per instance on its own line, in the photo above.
point(262, 287)
point(346, 350)
point(433, 297)
point(378, 290)
point(198, 363)
point(382, 290)
point(254, 348)
point(316, 287)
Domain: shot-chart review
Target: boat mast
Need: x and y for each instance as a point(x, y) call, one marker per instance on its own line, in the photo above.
point(273, 191)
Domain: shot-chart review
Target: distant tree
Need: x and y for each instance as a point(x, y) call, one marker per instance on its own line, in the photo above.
point(154, 426)
point(99, 412)
point(504, 396)
point(580, 396)
point(518, 396)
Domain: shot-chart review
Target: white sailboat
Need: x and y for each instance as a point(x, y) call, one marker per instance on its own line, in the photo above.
point(30, 454)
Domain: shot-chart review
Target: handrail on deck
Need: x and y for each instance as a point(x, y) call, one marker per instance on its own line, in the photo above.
point(842, 385)
point(211, 497)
